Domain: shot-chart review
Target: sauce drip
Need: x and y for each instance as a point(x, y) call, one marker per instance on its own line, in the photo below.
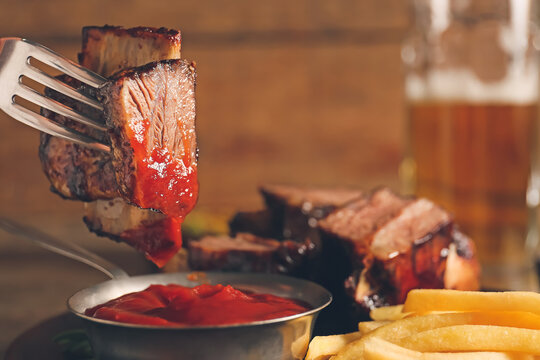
point(159, 241)
point(165, 182)
point(173, 305)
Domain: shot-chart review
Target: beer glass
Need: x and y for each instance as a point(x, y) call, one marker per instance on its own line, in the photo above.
point(471, 85)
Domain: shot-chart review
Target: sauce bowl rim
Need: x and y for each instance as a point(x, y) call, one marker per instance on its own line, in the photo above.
point(277, 278)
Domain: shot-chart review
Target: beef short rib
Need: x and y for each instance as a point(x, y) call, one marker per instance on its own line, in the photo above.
point(76, 172)
point(249, 253)
point(368, 248)
point(353, 223)
point(296, 209)
point(150, 232)
point(107, 50)
point(150, 111)
point(396, 244)
point(259, 223)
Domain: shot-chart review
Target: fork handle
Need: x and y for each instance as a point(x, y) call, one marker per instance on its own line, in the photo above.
point(63, 248)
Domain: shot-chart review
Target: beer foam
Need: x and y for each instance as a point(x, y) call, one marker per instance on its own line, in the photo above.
point(464, 85)
point(520, 85)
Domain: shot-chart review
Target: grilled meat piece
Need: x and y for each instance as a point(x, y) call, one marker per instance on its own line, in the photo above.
point(318, 199)
point(355, 222)
point(109, 49)
point(79, 176)
point(462, 268)
point(249, 253)
point(116, 216)
point(415, 223)
point(432, 264)
point(394, 245)
point(258, 223)
point(292, 213)
point(295, 209)
point(150, 232)
point(387, 282)
point(150, 111)
point(76, 172)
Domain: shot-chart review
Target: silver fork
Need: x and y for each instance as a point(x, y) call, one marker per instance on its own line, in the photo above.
point(15, 56)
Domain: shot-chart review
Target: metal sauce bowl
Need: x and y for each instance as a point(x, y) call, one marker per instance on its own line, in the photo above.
point(282, 338)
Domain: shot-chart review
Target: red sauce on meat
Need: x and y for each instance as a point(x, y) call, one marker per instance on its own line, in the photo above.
point(173, 305)
point(166, 183)
point(165, 176)
point(159, 241)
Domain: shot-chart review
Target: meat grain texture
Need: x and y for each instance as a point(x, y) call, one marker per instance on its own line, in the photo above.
point(150, 111)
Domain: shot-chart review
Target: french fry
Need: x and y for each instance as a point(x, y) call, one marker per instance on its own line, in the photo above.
point(423, 300)
point(400, 329)
point(322, 347)
point(378, 349)
point(450, 325)
point(300, 345)
point(475, 338)
point(367, 326)
point(387, 313)
point(407, 327)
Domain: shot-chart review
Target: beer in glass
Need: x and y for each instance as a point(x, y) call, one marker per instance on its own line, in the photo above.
point(471, 86)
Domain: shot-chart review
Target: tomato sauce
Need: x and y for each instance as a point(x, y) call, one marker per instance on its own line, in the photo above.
point(159, 241)
point(164, 181)
point(173, 305)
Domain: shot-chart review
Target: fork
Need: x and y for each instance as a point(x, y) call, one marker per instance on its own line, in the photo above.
point(15, 57)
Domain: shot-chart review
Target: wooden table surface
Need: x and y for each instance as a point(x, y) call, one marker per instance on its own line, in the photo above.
point(304, 92)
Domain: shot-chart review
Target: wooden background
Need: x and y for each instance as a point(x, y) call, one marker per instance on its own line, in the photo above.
point(301, 91)
point(288, 91)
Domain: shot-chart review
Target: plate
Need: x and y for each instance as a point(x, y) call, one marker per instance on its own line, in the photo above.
point(37, 342)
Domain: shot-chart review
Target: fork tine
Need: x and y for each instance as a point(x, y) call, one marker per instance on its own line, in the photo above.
point(50, 127)
point(33, 96)
point(55, 84)
point(66, 66)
